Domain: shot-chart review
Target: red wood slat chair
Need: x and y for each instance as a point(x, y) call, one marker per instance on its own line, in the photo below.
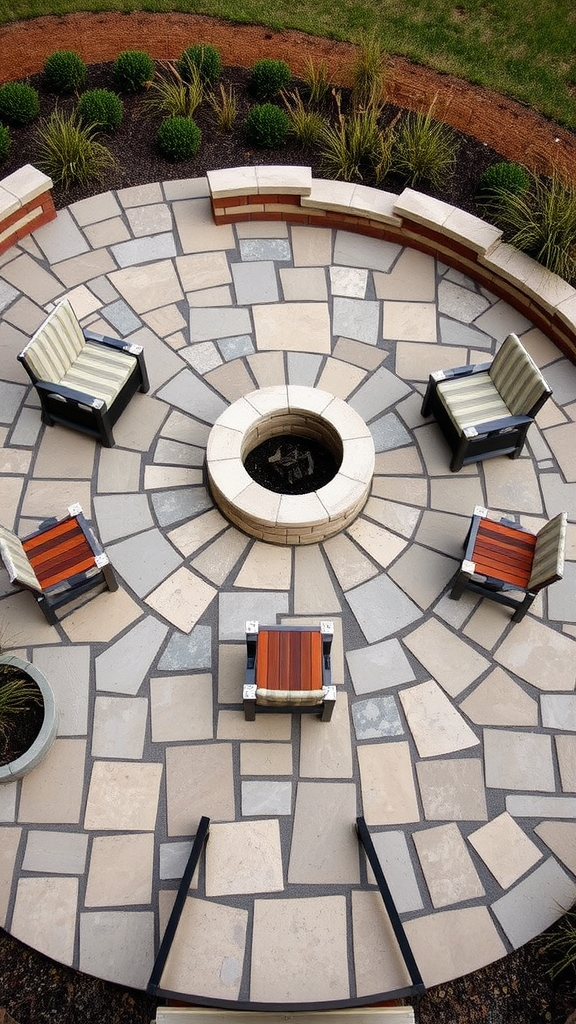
point(288, 669)
point(59, 563)
point(502, 557)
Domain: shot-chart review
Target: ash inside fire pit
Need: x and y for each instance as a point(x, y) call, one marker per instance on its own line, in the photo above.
point(288, 464)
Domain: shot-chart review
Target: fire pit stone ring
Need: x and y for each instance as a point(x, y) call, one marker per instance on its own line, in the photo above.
point(298, 411)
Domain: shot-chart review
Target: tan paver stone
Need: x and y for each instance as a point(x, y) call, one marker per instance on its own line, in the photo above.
point(327, 753)
point(140, 195)
point(378, 963)
point(207, 955)
point(512, 484)
point(398, 462)
point(358, 353)
point(442, 947)
point(443, 532)
point(487, 624)
point(452, 790)
point(139, 423)
point(311, 247)
point(232, 380)
point(217, 561)
point(498, 700)
point(41, 286)
point(566, 750)
point(340, 378)
point(262, 229)
point(401, 518)
point(314, 592)
point(244, 857)
point(119, 727)
point(450, 660)
point(283, 971)
point(59, 853)
point(53, 793)
point(412, 278)
point(518, 760)
point(303, 284)
point(196, 532)
point(456, 494)
point(432, 445)
point(9, 500)
point(422, 574)
point(211, 297)
point(324, 848)
point(182, 599)
point(118, 945)
point(148, 286)
point(108, 232)
point(380, 544)
point(199, 781)
point(267, 368)
point(181, 708)
point(68, 671)
point(409, 321)
point(23, 622)
point(539, 654)
point(266, 567)
point(233, 726)
point(9, 843)
point(149, 220)
point(165, 321)
point(505, 849)
point(562, 441)
point(560, 837)
point(14, 460)
point(436, 726)
point(123, 796)
point(274, 327)
point(96, 208)
point(197, 230)
point(166, 477)
point(408, 489)
point(120, 872)
point(550, 414)
point(268, 759)
point(542, 350)
point(231, 672)
point(8, 792)
point(415, 361)
point(387, 784)
point(118, 471)
point(99, 621)
point(447, 866)
point(85, 267)
point(42, 499)
point(350, 565)
point(45, 916)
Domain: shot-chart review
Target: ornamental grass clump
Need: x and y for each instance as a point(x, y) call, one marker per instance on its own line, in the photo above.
point(305, 124)
point(178, 138)
point(102, 109)
point(18, 695)
point(224, 106)
point(352, 149)
point(267, 125)
point(132, 70)
point(64, 71)
point(4, 141)
point(425, 151)
point(368, 71)
point(19, 103)
point(316, 80)
point(268, 77)
point(559, 946)
point(205, 59)
point(173, 96)
point(69, 153)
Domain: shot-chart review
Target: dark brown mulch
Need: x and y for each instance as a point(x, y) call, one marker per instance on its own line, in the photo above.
point(20, 729)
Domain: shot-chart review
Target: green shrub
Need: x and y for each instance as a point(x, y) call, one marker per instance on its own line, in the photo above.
point(268, 77)
point(68, 152)
point(223, 107)
point(305, 124)
point(4, 141)
point(132, 69)
point(101, 109)
point(425, 151)
point(178, 138)
point(171, 95)
point(64, 71)
point(205, 58)
point(267, 125)
point(19, 103)
point(503, 176)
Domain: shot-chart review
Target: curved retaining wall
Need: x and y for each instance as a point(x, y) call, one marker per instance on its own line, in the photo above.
point(25, 204)
point(458, 238)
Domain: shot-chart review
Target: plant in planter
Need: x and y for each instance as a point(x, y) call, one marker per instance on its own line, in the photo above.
point(28, 717)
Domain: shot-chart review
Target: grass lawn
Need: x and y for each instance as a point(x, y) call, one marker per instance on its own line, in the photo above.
point(523, 48)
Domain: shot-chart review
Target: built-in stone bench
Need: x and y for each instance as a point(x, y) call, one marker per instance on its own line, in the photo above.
point(25, 204)
point(460, 239)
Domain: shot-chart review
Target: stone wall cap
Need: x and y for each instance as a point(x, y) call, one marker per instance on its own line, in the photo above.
point(26, 183)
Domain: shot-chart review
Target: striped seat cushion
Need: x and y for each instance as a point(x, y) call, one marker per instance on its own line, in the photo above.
point(472, 400)
point(16, 561)
point(100, 372)
point(56, 344)
point(296, 697)
point(548, 564)
point(516, 377)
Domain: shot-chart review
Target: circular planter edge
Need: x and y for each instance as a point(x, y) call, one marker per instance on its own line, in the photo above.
point(45, 738)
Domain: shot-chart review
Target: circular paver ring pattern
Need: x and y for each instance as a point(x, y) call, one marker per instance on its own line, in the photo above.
point(454, 732)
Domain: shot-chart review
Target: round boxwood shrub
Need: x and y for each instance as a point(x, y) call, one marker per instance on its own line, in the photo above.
point(64, 71)
point(267, 125)
point(101, 108)
point(178, 138)
point(268, 77)
point(19, 103)
point(502, 177)
point(205, 58)
point(4, 141)
point(132, 69)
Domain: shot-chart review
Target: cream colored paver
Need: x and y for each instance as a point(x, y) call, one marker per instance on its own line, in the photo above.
point(539, 654)
point(452, 790)
point(387, 784)
point(518, 760)
point(303, 284)
point(566, 750)
point(408, 489)
point(14, 460)
point(123, 796)
point(148, 286)
point(266, 567)
point(311, 247)
point(231, 672)
point(211, 297)
point(182, 599)
point(120, 872)
point(140, 422)
point(266, 759)
point(416, 360)
point(267, 368)
point(435, 453)
point(196, 532)
point(102, 619)
point(43, 499)
point(165, 477)
point(199, 781)
point(54, 794)
point(442, 947)
point(401, 518)
point(409, 321)
point(218, 559)
point(232, 380)
point(456, 494)
point(284, 971)
point(379, 543)
point(378, 963)
point(436, 725)
point(181, 708)
point(8, 792)
point(326, 753)
point(422, 574)
point(233, 726)
point(398, 462)
point(487, 624)
point(45, 916)
point(244, 857)
point(562, 441)
point(447, 866)
point(314, 592)
point(68, 670)
point(117, 945)
point(350, 565)
point(9, 500)
point(453, 663)
point(9, 843)
point(340, 378)
point(118, 471)
point(560, 837)
point(324, 848)
point(498, 700)
point(505, 849)
point(108, 232)
point(165, 320)
point(275, 327)
point(41, 286)
point(208, 951)
point(412, 278)
point(197, 230)
point(512, 484)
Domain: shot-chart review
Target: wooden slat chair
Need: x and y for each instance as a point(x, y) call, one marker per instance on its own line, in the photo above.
point(502, 557)
point(59, 563)
point(485, 409)
point(288, 669)
point(84, 380)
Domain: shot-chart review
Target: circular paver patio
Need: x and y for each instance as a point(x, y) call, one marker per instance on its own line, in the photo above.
point(454, 732)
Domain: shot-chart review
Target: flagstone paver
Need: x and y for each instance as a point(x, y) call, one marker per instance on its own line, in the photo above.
point(454, 731)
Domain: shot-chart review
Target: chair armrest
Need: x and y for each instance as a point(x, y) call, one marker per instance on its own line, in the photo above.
point(70, 394)
point(460, 371)
point(118, 343)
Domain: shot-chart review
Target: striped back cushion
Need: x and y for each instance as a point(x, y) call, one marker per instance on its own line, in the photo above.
point(471, 400)
point(100, 371)
point(517, 377)
point(548, 564)
point(16, 562)
point(295, 697)
point(55, 345)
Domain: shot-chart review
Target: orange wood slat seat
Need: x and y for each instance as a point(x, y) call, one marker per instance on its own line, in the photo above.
point(289, 660)
point(503, 553)
point(59, 552)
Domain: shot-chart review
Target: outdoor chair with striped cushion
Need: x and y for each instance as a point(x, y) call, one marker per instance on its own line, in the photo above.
point(60, 563)
point(485, 409)
point(288, 669)
point(83, 379)
point(502, 557)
